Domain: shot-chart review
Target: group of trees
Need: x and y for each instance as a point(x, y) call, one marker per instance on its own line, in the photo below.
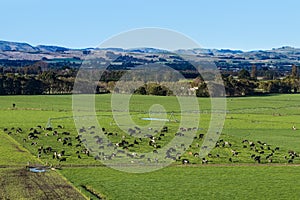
point(246, 83)
point(37, 79)
point(44, 83)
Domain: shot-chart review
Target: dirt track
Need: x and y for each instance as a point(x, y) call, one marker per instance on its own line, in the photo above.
point(22, 184)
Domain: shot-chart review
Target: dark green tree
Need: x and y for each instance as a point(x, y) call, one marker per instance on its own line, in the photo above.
point(244, 74)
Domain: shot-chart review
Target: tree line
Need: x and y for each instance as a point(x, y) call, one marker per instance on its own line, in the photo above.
point(34, 80)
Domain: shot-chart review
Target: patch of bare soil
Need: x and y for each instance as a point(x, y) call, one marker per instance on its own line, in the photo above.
point(29, 185)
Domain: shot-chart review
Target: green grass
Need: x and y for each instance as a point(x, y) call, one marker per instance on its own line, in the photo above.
point(267, 119)
point(18, 183)
point(204, 182)
point(12, 154)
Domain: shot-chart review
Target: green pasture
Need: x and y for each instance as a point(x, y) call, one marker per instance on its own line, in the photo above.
point(263, 119)
point(12, 154)
point(200, 182)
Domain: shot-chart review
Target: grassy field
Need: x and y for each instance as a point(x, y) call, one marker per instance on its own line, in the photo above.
point(18, 183)
point(201, 182)
point(266, 121)
point(12, 154)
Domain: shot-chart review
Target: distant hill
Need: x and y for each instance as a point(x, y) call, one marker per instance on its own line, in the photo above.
point(277, 58)
point(16, 46)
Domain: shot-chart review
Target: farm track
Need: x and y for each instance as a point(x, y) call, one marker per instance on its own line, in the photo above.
point(16, 182)
point(40, 186)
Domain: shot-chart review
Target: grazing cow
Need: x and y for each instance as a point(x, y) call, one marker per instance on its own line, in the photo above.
point(227, 143)
point(79, 136)
point(179, 134)
point(49, 129)
point(62, 159)
point(259, 142)
point(234, 153)
point(65, 133)
point(182, 129)
point(257, 159)
point(55, 133)
point(131, 145)
point(79, 156)
point(251, 144)
point(82, 130)
point(164, 129)
point(294, 128)
point(185, 161)
point(201, 136)
point(262, 147)
point(78, 145)
point(204, 161)
point(120, 151)
point(230, 159)
point(19, 130)
point(35, 137)
point(142, 156)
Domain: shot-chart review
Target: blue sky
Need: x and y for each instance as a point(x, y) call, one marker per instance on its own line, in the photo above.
point(246, 25)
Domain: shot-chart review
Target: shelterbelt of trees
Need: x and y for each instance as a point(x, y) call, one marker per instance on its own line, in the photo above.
point(34, 80)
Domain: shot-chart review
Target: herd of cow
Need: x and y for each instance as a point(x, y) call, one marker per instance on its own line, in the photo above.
point(59, 145)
